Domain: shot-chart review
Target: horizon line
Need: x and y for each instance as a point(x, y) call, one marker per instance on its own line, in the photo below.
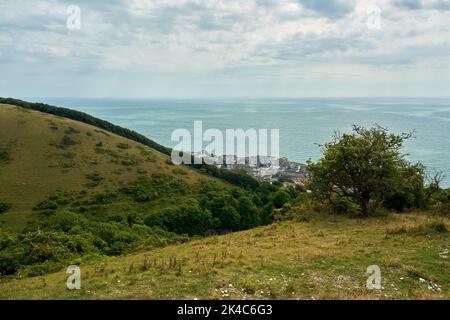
point(27, 98)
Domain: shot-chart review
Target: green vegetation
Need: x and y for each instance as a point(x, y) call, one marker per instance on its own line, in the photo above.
point(160, 209)
point(280, 198)
point(123, 146)
point(66, 142)
point(4, 156)
point(188, 219)
point(122, 211)
point(366, 168)
point(94, 179)
point(71, 130)
point(137, 203)
point(323, 258)
point(4, 207)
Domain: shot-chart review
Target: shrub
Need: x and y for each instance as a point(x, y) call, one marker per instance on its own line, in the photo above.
point(342, 205)
point(123, 146)
point(280, 198)
point(267, 214)
point(423, 229)
point(103, 198)
point(69, 155)
point(71, 130)
point(248, 212)
point(46, 205)
point(137, 191)
point(179, 171)
point(437, 226)
point(116, 218)
point(66, 142)
point(64, 221)
point(127, 161)
point(187, 219)
point(4, 156)
point(94, 179)
point(4, 207)
point(40, 248)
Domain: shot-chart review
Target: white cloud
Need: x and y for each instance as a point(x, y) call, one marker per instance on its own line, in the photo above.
point(200, 41)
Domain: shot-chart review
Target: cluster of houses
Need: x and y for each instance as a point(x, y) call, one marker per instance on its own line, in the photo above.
point(291, 174)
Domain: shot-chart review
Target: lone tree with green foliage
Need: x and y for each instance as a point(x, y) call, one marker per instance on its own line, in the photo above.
point(361, 166)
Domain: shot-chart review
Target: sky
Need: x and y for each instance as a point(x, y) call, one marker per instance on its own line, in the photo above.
point(224, 48)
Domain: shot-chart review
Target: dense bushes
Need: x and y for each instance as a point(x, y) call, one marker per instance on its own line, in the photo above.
point(233, 209)
point(280, 198)
point(165, 210)
point(188, 219)
point(37, 247)
point(66, 236)
point(236, 177)
point(440, 201)
point(215, 209)
point(408, 190)
point(136, 191)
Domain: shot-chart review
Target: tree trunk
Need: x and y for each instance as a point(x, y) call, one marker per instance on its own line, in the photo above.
point(365, 205)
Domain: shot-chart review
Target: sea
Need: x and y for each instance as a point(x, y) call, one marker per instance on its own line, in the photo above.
point(304, 123)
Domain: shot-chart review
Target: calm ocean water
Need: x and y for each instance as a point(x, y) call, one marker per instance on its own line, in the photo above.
point(302, 122)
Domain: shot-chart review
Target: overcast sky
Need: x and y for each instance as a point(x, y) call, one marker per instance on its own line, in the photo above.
point(203, 48)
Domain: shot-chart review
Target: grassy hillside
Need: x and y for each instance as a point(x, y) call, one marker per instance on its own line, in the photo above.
point(316, 257)
point(42, 154)
point(234, 177)
point(71, 191)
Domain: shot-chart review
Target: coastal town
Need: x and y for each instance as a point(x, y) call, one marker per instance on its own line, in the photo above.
point(291, 174)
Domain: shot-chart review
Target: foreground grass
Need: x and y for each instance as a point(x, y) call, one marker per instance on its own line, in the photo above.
point(324, 257)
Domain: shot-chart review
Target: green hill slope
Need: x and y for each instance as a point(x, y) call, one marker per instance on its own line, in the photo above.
point(70, 190)
point(43, 154)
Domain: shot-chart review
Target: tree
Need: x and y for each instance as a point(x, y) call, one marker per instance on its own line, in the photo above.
point(408, 190)
point(248, 212)
point(435, 179)
point(360, 166)
point(188, 218)
point(280, 198)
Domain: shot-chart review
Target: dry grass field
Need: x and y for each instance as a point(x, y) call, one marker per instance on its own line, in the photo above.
point(321, 257)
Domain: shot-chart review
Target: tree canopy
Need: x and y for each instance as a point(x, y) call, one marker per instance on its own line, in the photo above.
point(363, 167)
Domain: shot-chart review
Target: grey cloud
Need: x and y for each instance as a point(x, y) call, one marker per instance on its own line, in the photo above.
point(334, 9)
point(440, 5)
point(422, 5)
point(408, 4)
point(300, 48)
